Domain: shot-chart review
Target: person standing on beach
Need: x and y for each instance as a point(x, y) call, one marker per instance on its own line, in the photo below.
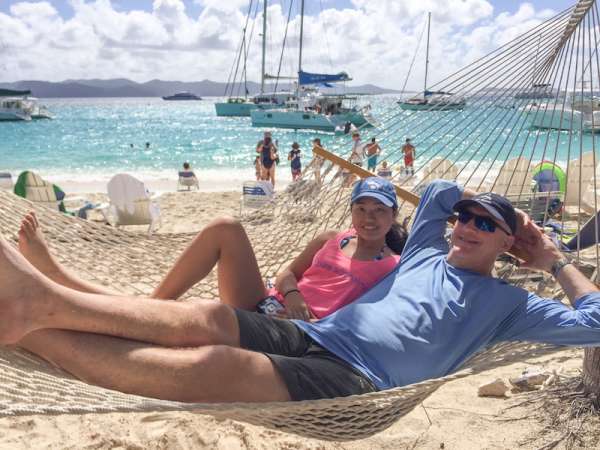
point(410, 154)
point(268, 156)
point(356, 157)
point(373, 151)
point(295, 163)
point(358, 151)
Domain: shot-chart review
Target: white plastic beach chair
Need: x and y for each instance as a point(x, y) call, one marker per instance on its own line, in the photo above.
point(515, 177)
point(130, 203)
point(6, 181)
point(187, 179)
point(256, 194)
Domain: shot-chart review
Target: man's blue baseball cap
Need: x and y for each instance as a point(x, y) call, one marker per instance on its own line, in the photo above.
point(377, 188)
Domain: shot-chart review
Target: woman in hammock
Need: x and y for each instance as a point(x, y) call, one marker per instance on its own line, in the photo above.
point(332, 271)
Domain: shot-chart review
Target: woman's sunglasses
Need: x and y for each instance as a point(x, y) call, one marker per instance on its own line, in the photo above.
point(482, 223)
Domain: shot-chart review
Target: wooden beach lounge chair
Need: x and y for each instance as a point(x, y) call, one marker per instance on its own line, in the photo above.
point(6, 181)
point(580, 177)
point(130, 203)
point(514, 178)
point(187, 179)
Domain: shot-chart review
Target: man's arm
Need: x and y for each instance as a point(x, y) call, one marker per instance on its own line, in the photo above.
point(540, 253)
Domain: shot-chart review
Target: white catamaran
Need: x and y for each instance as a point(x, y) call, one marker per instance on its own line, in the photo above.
point(314, 111)
point(241, 106)
point(17, 105)
point(432, 100)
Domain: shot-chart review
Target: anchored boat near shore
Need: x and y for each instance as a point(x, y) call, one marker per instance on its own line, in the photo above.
point(18, 106)
point(182, 96)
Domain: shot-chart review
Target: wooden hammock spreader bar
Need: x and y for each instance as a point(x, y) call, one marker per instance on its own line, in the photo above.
point(362, 173)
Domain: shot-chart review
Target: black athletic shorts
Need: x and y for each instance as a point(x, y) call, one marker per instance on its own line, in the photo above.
point(309, 371)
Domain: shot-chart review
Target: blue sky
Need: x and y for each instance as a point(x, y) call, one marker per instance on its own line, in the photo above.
point(193, 8)
point(373, 40)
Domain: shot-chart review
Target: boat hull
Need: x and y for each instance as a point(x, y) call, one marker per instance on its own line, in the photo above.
point(6, 116)
point(432, 106)
point(234, 109)
point(300, 120)
point(240, 109)
point(557, 119)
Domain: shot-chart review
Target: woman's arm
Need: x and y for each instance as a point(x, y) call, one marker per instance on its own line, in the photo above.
point(287, 279)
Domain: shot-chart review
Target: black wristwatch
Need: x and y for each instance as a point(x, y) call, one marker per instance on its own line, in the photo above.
point(558, 266)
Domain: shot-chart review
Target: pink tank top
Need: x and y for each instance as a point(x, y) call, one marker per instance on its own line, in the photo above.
point(335, 280)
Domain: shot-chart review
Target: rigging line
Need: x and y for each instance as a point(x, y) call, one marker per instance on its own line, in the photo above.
point(594, 176)
point(467, 75)
point(490, 56)
point(482, 75)
point(246, 43)
point(499, 49)
point(249, 46)
point(412, 62)
point(240, 51)
point(326, 36)
point(525, 141)
point(478, 111)
point(492, 60)
point(483, 72)
point(482, 65)
point(283, 44)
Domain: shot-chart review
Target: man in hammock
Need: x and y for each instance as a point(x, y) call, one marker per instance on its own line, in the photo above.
point(437, 308)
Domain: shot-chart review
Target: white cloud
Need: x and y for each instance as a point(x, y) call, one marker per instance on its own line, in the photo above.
point(374, 41)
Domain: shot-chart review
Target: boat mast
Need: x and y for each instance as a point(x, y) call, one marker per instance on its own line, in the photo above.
point(264, 48)
point(427, 52)
point(300, 52)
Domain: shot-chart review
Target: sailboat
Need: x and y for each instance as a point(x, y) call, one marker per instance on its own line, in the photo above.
point(312, 110)
point(241, 106)
point(432, 100)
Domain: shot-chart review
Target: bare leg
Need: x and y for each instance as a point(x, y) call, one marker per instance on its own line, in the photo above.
point(223, 242)
point(205, 374)
point(30, 301)
point(33, 246)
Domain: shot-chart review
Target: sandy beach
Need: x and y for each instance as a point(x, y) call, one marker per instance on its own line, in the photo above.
point(454, 417)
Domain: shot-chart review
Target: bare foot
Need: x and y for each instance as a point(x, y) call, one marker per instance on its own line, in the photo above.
point(33, 247)
point(22, 294)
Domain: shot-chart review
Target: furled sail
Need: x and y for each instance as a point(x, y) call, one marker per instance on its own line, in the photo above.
point(321, 78)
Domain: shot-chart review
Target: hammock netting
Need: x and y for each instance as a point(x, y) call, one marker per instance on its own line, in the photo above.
point(494, 143)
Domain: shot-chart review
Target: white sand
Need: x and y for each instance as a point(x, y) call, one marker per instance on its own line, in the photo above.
point(459, 418)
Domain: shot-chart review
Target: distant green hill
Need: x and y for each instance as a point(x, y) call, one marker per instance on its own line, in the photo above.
point(155, 88)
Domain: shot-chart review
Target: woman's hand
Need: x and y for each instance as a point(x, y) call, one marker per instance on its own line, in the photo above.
point(295, 307)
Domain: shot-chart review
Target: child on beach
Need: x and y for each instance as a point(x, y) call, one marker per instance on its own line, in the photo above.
point(257, 168)
point(295, 163)
point(384, 171)
point(333, 270)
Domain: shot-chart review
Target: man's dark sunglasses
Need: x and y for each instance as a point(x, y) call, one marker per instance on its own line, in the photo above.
point(482, 223)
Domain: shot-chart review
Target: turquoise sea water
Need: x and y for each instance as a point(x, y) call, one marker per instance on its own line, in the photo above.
point(90, 139)
point(94, 137)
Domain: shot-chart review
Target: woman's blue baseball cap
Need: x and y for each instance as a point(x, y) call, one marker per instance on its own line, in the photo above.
point(377, 188)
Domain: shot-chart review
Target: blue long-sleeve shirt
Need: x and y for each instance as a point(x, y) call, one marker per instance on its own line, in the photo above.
point(427, 317)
